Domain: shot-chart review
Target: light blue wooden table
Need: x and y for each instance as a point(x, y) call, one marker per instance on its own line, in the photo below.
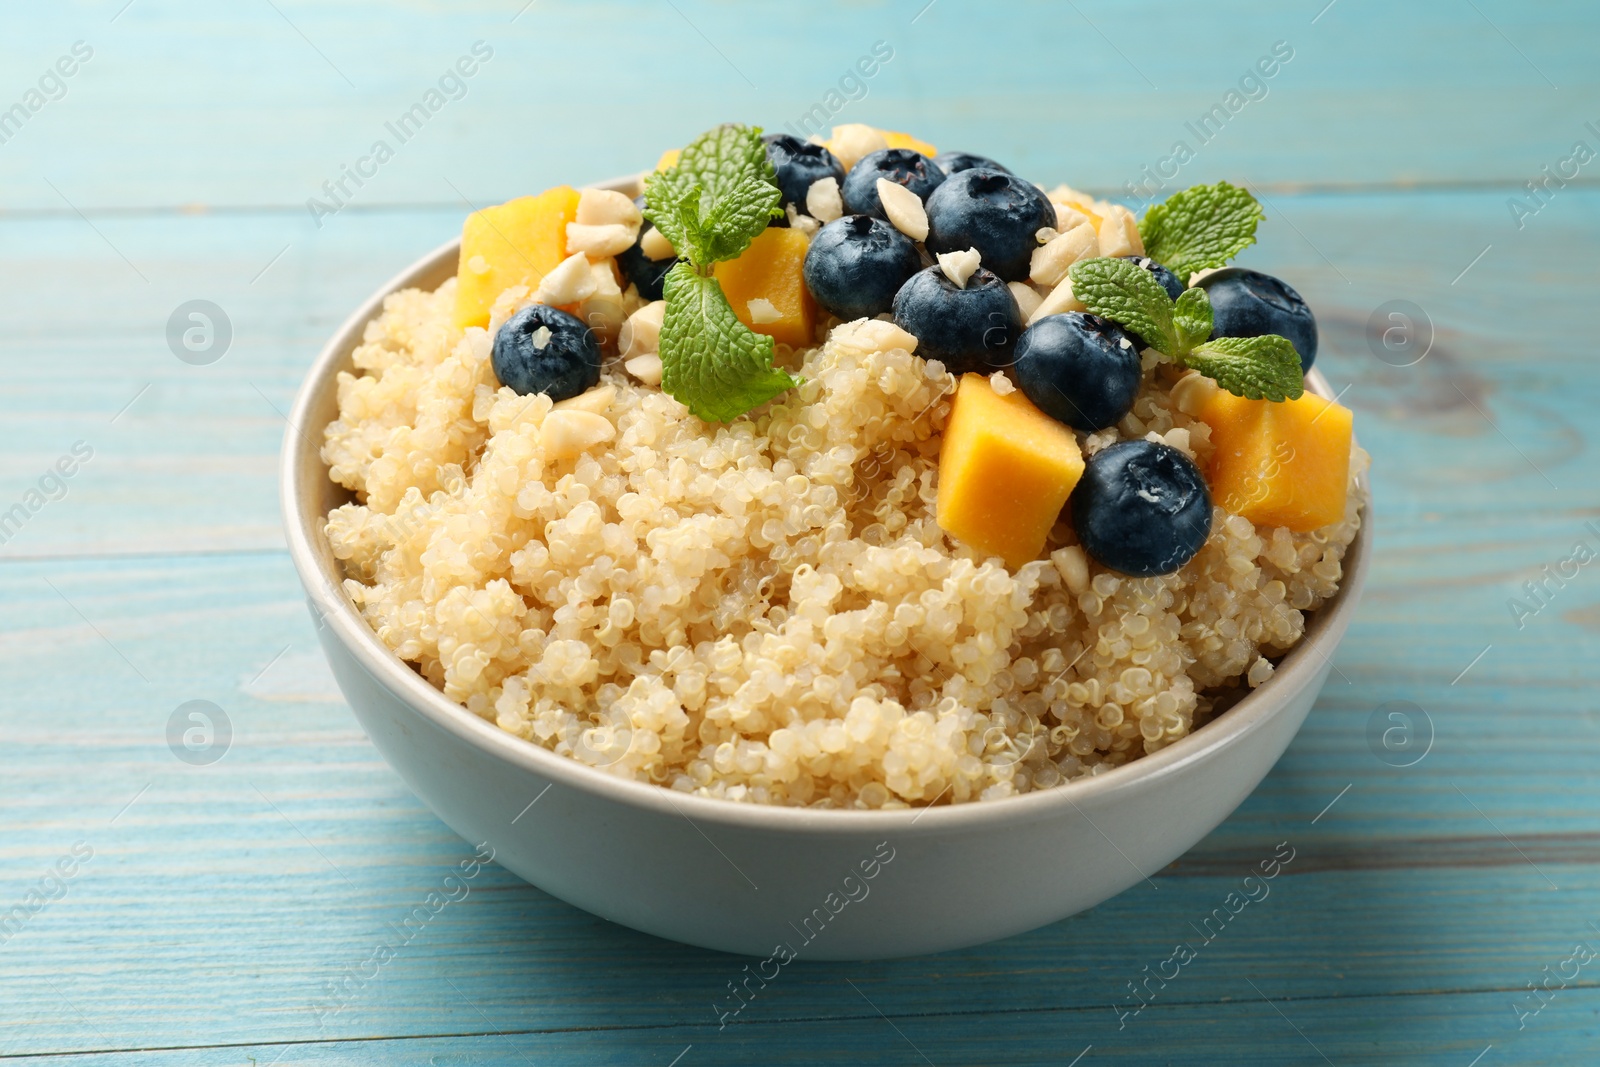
point(208, 907)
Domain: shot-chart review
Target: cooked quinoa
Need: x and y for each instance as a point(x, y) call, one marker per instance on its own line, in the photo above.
point(766, 610)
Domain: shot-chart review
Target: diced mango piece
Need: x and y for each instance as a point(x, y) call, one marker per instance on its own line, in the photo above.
point(1279, 464)
point(669, 159)
point(905, 140)
point(515, 243)
point(772, 269)
point(1005, 470)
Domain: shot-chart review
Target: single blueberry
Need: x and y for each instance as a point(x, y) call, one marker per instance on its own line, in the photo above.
point(1141, 508)
point(1247, 303)
point(1080, 369)
point(971, 328)
point(799, 163)
point(902, 166)
point(999, 214)
point(857, 264)
point(1169, 281)
point(951, 162)
point(645, 273)
point(542, 349)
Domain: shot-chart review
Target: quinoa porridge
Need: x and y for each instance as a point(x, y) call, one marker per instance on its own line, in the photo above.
point(766, 608)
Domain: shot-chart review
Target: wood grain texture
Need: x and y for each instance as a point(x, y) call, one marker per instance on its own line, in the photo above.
point(221, 900)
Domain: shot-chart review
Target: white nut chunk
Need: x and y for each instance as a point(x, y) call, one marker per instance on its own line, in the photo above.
point(872, 335)
point(904, 209)
point(571, 281)
point(605, 207)
point(641, 334)
point(597, 242)
point(1060, 300)
point(802, 222)
point(569, 432)
point(1051, 261)
point(958, 266)
point(1026, 296)
point(655, 245)
point(596, 400)
point(853, 140)
point(823, 201)
point(1119, 233)
point(763, 311)
point(646, 368)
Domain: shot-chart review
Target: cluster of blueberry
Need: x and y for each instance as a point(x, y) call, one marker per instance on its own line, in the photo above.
point(1141, 507)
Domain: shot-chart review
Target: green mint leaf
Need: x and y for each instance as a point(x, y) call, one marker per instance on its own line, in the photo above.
point(672, 205)
point(1191, 320)
point(722, 157)
point(712, 363)
point(742, 211)
point(722, 193)
point(1257, 368)
point(1202, 226)
point(1128, 295)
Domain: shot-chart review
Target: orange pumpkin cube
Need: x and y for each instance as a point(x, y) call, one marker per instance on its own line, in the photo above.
point(772, 269)
point(1279, 464)
point(515, 243)
point(1005, 470)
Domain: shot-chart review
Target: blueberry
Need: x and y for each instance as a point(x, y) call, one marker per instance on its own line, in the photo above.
point(1169, 281)
point(1079, 369)
point(967, 329)
point(799, 163)
point(645, 273)
point(856, 265)
point(1141, 508)
point(902, 166)
point(996, 213)
point(1247, 303)
point(542, 349)
point(951, 162)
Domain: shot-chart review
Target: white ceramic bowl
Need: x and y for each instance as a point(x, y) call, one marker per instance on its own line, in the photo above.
point(745, 878)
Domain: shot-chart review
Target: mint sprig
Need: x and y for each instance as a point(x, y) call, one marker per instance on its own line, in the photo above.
point(710, 361)
point(1201, 227)
point(1258, 368)
point(722, 193)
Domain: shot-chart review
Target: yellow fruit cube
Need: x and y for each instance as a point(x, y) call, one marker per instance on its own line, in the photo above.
point(905, 140)
point(1005, 470)
point(669, 159)
point(772, 269)
point(1279, 464)
point(515, 243)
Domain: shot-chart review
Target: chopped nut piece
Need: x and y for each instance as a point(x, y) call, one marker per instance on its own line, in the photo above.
point(958, 266)
point(1060, 300)
point(853, 140)
point(873, 335)
point(904, 209)
point(763, 311)
point(1051, 262)
point(599, 241)
point(602, 207)
point(646, 368)
point(641, 334)
point(823, 201)
point(655, 245)
point(1191, 392)
point(596, 400)
point(1129, 230)
point(569, 432)
point(801, 222)
point(1026, 296)
point(570, 282)
point(1073, 566)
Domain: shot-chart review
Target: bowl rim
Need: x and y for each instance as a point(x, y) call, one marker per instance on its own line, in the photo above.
point(314, 562)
